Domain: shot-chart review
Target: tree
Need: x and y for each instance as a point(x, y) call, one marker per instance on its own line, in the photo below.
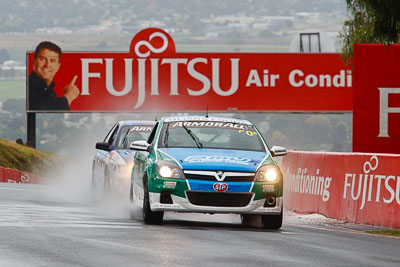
point(373, 21)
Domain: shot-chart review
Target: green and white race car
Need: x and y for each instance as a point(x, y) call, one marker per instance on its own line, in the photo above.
point(207, 165)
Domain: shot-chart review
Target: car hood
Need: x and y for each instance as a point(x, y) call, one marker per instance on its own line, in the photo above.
point(215, 159)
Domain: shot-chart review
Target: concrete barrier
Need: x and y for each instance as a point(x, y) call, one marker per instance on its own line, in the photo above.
point(355, 187)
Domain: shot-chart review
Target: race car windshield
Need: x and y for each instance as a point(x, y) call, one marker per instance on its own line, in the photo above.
point(205, 134)
point(132, 133)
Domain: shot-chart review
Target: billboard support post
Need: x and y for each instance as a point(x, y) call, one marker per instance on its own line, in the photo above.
point(31, 129)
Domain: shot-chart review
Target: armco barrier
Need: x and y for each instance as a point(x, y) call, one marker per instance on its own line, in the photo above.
point(8, 175)
point(355, 187)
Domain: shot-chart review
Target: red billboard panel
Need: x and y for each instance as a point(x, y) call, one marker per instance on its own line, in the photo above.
point(153, 77)
point(376, 118)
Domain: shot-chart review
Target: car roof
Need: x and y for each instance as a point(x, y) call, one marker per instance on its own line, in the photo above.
point(136, 122)
point(205, 118)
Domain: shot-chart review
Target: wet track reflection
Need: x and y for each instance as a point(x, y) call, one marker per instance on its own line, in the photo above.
point(41, 225)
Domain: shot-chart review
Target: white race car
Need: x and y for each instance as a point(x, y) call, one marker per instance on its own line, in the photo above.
point(112, 164)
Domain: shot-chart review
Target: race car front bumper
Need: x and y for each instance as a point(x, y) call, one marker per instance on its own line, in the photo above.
point(264, 206)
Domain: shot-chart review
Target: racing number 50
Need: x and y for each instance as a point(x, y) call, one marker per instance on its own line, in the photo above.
point(248, 133)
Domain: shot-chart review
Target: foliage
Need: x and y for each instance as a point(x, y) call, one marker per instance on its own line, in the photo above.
point(393, 232)
point(372, 21)
point(23, 158)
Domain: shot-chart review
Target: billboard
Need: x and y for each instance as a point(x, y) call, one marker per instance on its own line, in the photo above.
point(376, 118)
point(153, 77)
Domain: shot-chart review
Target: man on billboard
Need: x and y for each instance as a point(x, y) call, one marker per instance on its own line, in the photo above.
point(46, 63)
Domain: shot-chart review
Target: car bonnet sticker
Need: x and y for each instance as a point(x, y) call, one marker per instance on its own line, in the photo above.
point(217, 159)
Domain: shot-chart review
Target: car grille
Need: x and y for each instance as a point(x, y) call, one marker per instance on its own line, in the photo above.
point(219, 199)
point(211, 176)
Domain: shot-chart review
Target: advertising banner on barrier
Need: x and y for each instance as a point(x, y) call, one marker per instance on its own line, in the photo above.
point(376, 115)
point(360, 188)
point(8, 175)
point(153, 77)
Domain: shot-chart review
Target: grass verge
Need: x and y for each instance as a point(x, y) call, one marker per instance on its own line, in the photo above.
point(27, 159)
point(385, 232)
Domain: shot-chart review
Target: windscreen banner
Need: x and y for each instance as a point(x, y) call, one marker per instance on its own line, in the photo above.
point(376, 115)
point(153, 77)
point(353, 187)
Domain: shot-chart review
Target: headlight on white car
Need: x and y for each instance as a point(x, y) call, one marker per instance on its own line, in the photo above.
point(168, 169)
point(127, 168)
point(268, 173)
point(119, 164)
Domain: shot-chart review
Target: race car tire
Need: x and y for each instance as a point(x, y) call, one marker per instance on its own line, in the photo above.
point(150, 217)
point(272, 222)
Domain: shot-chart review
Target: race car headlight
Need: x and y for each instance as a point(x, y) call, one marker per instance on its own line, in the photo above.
point(119, 164)
point(168, 169)
point(124, 167)
point(268, 173)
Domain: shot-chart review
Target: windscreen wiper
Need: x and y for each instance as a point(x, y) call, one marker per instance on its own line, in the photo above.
point(124, 143)
point(166, 134)
point(194, 137)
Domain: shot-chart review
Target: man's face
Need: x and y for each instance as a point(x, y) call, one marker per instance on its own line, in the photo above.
point(46, 64)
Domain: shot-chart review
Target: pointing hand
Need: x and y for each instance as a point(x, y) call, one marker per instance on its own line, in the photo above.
point(71, 91)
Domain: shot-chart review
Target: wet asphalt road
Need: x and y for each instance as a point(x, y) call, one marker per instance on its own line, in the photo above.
point(56, 225)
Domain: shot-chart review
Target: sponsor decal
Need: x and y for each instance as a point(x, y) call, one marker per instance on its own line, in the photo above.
point(363, 185)
point(169, 185)
point(220, 187)
point(140, 129)
point(268, 188)
point(210, 124)
point(218, 159)
point(248, 133)
point(310, 184)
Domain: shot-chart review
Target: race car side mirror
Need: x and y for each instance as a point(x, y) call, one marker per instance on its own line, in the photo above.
point(277, 151)
point(103, 146)
point(140, 145)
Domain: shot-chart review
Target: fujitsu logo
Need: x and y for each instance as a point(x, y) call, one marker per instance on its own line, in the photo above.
point(136, 69)
point(365, 184)
point(150, 47)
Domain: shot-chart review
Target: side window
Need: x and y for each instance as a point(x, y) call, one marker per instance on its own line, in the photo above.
point(111, 134)
point(152, 134)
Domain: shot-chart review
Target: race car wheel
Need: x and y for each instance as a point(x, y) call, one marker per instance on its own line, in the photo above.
point(272, 222)
point(150, 217)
